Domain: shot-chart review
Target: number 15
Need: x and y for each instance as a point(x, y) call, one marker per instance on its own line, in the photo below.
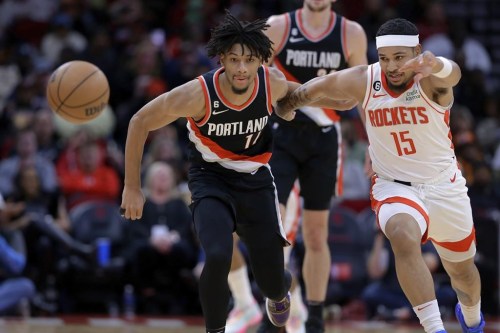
point(401, 137)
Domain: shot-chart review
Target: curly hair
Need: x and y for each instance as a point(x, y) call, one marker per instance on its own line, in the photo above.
point(232, 31)
point(397, 26)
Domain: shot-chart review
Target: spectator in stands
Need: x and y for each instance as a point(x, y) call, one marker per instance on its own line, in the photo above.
point(62, 38)
point(13, 287)
point(162, 243)
point(91, 179)
point(27, 154)
point(48, 143)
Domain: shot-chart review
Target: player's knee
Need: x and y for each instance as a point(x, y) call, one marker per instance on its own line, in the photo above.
point(218, 258)
point(403, 234)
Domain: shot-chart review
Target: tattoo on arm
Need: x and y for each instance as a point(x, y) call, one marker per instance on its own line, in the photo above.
point(296, 99)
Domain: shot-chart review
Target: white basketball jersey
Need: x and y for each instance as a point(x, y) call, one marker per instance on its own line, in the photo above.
point(409, 134)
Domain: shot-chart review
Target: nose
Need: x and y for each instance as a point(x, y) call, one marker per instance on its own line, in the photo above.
point(242, 68)
point(392, 66)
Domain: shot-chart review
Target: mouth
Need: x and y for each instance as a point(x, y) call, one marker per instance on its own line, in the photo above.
point(395, 77)
point(240, 79)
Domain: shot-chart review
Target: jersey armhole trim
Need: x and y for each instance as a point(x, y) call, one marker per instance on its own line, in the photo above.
point(204, 88)
point(285, 36)
point(343, 35)
point(268, 90)
point(369, 91)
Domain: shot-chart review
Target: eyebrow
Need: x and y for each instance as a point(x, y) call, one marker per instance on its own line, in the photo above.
point(395, 54)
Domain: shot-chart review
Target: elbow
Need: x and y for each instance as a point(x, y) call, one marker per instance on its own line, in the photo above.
point(137, 124)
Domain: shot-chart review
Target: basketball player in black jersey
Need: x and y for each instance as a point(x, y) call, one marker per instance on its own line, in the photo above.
point(232, 187)
point(309, 42)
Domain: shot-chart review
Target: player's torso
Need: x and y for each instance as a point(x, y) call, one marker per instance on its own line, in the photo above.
point(302, 57)
point(235, 136)
point(409, 134)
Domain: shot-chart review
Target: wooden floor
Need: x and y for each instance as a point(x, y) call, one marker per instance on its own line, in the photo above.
point(184, 325)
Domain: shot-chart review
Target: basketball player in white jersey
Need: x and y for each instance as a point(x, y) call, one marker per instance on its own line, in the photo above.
point(418, 192)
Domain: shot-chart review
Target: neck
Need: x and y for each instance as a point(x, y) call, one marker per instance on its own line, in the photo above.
point(316, 20)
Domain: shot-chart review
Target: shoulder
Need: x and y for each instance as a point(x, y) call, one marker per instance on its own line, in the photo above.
point(354, 29)
point(275, 75)
point(356, 42)
point(276, 21)
point(189, 96)
point(278, 83)
point(277, 27)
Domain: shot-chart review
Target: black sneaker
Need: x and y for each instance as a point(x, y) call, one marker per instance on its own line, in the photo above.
point(266, 326)
point(315, 325)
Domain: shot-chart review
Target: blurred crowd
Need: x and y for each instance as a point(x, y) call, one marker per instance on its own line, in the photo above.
point(55, 177)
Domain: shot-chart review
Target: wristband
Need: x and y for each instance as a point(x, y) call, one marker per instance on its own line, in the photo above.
point(446, 70)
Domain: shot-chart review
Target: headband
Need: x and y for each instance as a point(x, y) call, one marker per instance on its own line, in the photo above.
point(397, 40)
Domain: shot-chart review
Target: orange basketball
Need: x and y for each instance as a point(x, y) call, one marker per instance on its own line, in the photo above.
point(78, 91)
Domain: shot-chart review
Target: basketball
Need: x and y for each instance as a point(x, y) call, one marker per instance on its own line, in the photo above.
point(77, 91)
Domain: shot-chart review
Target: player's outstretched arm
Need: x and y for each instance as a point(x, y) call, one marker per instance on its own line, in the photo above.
point(346, 85)
point(184, 101)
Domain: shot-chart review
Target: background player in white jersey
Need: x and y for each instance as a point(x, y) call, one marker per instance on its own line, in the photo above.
point(418, 192)
point(308, 42)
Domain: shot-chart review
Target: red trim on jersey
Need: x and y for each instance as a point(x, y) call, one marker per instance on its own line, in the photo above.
point(268, 90)
point(298, 17)
point(371, 87)
point(288, 75)
point(331, 114)
point(223, 153)
point(204, 120)
point(376, 205)
point(285, 35)
point(460, 246)
point(227, 102)
point(345, 50)
point(389, 91)
point(340, 172)
point(447, 122)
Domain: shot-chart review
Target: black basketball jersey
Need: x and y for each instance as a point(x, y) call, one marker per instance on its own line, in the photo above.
point(237, 137)
point(302, 57)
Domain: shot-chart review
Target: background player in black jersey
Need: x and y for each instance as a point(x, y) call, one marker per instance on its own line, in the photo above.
point(309, 42)
point(228, 111)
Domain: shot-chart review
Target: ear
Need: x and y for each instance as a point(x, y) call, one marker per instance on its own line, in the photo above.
point(418, 49)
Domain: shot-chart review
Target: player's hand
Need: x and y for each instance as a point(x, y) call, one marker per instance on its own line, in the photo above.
point(132, 203)
point(422, 65)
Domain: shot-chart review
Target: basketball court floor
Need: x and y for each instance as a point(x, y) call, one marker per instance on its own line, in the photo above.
point(187, 325)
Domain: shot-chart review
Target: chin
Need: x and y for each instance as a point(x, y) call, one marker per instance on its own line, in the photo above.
point(239, 91)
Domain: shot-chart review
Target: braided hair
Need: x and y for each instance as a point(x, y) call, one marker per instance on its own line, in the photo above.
point(232, 31)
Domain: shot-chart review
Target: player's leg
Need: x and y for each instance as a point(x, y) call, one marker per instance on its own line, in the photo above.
point(291, 216)
point(454, 239)
point(403, 218)
point(264, 237)
point(318, 180)
point(466, 282)
point(246, 312)
point(214, 223)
